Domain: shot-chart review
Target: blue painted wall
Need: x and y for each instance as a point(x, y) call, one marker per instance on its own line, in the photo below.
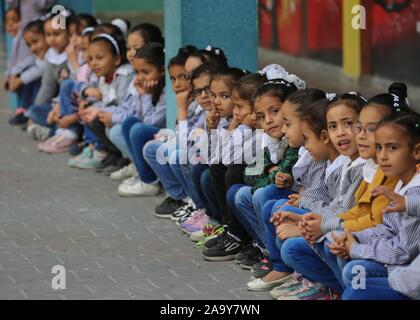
point(227, 24)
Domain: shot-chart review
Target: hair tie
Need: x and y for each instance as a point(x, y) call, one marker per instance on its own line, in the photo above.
point(274, 71)
point(298, 82)
point(110, 39)
point(121, 24)
point(417, 125)
point(354, 93)
point(209, 48)
point(217, 51)
point(277, 82)
point(87, 30)
point(330, 96)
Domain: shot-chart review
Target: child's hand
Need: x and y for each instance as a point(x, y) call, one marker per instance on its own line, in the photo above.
point(283, 180)
point(183, 99)
point(338, 247)
point(212, 119)
point(285, 231)
point(145, 86)
point(275, 168)
point(312, 226)
point(397, 203)
point(250, 120)
point(93, 92)
point(54, 114)
point(294, 200)
point(281, 217)
point(105, 118)
point(15, 83)
point(90, 114)
point(234, 124)
point(65, 122)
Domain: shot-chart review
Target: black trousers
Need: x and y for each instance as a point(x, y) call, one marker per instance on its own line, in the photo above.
point(98, 129)
point(222, 178)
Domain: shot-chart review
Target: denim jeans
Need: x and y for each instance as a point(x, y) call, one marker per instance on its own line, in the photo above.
point(39, 114)
point(371, 269)
point(231, 202)
point(67, 107)
point(300, 256)
point(376, 289)
point(117, 138)
point(244, 204)
point(29, 92)
point(196, 171)
point(164, 172)
point(208, 193)
point(271, 242)
point(270, 192)
point(136, 135)
point(332, 261)
point(90, 137)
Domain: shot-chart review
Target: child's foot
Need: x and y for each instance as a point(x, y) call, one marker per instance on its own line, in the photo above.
point(124, 173)
point(273, 279)
point(18, 120)
point(228, 245)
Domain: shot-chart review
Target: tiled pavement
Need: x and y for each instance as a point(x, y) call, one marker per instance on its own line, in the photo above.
point(111, 248)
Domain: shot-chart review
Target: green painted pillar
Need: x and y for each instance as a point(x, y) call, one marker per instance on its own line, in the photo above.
point(228, 24)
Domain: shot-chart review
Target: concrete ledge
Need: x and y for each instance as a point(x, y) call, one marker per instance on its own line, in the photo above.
point(331, 78)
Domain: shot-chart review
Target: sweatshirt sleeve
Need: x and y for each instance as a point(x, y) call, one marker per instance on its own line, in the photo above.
point(33, 73)
point(154, 115)
point(49, 86)
point(126, 109)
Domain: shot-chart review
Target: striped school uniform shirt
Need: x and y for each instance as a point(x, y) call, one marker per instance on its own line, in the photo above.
point(396, 241)
point(324, 186)
point(351, 177)
point(406, 280)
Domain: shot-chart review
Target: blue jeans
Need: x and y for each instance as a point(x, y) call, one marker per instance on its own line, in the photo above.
point(136, 135)
point(117, 138)
point(301, 257)
point(372, 269)
point(209, 195)
point(29, 92)
point(195, 173)
point(166, 175)
point(39, 114)
point(335, 263)
point(67, 107)
point(270, 192)
point(272, 243)
point(231, 202)
point(90, 137)
point(376, 289)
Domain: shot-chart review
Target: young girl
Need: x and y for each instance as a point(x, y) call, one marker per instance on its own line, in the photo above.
point(56, 60)
point(277, 157)
point(313, 126)
point(109, 62)
point(150, 81)
point(395, 242)
point(226, 174)
point(29, 78)
point(341, 114)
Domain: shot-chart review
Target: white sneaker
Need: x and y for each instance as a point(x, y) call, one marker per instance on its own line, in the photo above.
point(138, 189)
point(131, 180)
point(38, 132)
point(124, 173)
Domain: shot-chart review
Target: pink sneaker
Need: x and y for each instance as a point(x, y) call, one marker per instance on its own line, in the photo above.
point(196, 223)
point(57, 145)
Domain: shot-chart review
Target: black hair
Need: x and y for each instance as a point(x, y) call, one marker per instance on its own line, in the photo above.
point(315, 114)
point(204, 69)
point(306, 96)
point(36, 26)
point(149, 32)
point(353, 100)
point(85, 20)
point(120, 43)
point(108, 28)
point(280, 89)
point(15, 9)
point(395, 100)
point(230, 75)
point(182, 56)
point(247, 86)
point(212, 55)
point(153, 53)
point(409, 121)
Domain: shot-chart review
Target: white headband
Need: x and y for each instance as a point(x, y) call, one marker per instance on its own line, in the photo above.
point(331, 96)
point(276, 71)
point(87, 30)
point(121, 24)
point(110, 39)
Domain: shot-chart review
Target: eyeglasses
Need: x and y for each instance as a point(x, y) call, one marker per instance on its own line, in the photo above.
point(199, 91)
point(369, 130)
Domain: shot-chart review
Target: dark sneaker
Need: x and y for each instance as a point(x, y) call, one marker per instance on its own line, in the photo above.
point(224, 250)
point(243, 253)
point(168, 207)
point(108, 161)
point(18, 120)
point(187, 209)
point(253, 256)
point(214, 241)
point(119, 164)
point(261, 269)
